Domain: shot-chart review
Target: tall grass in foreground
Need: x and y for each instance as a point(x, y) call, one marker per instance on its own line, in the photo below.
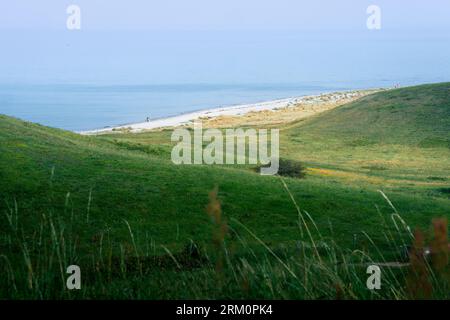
point(236, 263)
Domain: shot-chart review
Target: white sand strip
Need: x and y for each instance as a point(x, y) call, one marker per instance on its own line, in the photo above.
point(188, 118)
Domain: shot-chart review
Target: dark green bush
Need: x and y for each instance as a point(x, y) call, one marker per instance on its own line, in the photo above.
point(289, 168)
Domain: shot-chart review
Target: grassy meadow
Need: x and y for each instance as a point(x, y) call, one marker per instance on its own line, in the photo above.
point(141, 227)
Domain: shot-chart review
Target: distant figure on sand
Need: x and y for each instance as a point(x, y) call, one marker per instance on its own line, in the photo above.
point(148, 119)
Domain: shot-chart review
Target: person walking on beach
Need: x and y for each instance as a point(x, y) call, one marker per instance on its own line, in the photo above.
point(148, 119)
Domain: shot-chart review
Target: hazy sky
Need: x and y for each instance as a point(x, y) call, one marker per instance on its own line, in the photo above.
point(224, 14)
point(178, 41)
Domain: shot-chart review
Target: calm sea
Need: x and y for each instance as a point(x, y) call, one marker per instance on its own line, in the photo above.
point(85, 107)
point(38, 69)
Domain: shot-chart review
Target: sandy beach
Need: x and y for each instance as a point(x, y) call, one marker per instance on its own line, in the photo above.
point(275, 111)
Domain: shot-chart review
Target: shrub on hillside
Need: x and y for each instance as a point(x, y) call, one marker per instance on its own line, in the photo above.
point(289, 168)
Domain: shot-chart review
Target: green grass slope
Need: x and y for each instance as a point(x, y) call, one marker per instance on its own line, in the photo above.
point(394, 140)
point(119, 208)
point(417, 116)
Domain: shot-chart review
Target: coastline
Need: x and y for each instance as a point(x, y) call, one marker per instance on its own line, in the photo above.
point(311, 104)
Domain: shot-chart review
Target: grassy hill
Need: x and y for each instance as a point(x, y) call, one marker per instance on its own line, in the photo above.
point(394, 140)
point(137, 225)
point(417, 116)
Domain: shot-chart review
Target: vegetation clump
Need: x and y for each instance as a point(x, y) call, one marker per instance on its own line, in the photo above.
point(289, 168)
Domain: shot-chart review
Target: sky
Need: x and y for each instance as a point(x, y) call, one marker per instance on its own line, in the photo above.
point(198, 41)
point(224, 15)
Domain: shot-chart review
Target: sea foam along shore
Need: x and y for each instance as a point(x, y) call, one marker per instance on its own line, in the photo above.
point(188, 118)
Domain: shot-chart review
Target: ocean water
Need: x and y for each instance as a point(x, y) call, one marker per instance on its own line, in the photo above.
point(93, 79)
point(86, 107)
